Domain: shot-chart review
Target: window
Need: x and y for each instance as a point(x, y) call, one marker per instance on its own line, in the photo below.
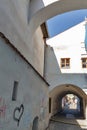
point(65, 63)
point(84, 62)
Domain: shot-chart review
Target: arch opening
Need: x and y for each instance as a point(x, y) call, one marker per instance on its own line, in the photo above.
point(68, 102)
point(71, 105)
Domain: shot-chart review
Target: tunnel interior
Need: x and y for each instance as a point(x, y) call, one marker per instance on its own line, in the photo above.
point(68, 102)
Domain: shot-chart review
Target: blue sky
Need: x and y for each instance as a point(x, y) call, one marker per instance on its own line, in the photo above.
point(64, 21)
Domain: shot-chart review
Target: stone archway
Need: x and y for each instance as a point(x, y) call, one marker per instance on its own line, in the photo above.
point(59, 92)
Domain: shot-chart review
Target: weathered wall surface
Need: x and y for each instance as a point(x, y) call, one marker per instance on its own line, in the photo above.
point(31, 96)
point(14, 25)
point(38, 51)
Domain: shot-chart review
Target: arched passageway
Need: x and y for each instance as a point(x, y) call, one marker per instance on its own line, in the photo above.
point(71, 104)
point(68, 100)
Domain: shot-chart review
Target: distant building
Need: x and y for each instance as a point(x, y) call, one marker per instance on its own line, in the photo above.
point(70, 49)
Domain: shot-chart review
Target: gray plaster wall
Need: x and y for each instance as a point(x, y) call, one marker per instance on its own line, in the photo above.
point(14, 24)
point(32, 93)
point(38, 51)
point(35, 6)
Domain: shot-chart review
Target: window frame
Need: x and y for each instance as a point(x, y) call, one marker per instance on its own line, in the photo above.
point(64, 64)
point(84, 63)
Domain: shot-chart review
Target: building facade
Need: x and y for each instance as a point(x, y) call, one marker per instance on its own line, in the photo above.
point(23, 92)
point(27, 64)
point(67, 54)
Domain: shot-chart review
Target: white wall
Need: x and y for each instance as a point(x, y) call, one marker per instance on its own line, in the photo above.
point(69, 44)
point(32, 92)
point(56, 78)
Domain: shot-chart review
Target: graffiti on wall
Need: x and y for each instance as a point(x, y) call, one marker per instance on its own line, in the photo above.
point(17, 114)
point(5, 113)
point(42, 105)
point(2, 108)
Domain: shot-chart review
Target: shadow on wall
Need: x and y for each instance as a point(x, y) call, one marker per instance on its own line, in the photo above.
point(51, 64)
point(35, 123)
point(35, 5)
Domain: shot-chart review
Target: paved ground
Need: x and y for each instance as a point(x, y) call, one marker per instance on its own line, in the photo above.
point(63, 126)
point(68, 122)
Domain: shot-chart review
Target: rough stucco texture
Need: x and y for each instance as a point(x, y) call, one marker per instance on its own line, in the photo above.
point(32, 93)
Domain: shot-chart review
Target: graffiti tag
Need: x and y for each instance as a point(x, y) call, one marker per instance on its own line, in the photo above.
point(18, 112)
